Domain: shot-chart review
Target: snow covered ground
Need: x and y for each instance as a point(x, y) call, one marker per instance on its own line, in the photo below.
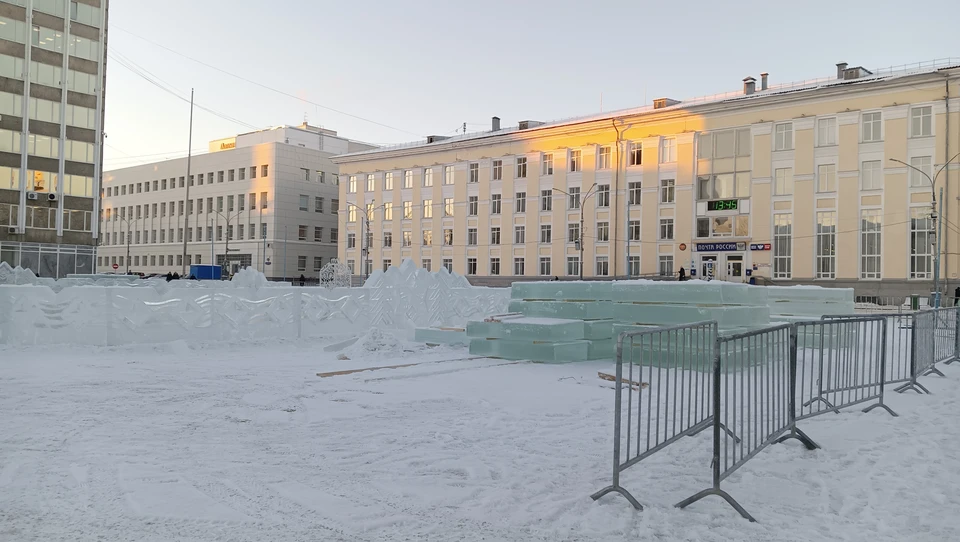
point(243, 442)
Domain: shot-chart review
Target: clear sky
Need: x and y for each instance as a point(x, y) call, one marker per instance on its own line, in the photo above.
point(423, 67)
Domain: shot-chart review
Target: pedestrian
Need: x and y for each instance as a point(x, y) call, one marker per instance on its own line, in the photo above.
point(556, 278)
point(303, 279)
point(683, 274)
point(169, 276)
point(176, 276)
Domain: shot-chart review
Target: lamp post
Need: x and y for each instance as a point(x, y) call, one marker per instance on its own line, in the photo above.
point(127, 221)
point(364, 248)
point(581, 199)
point(937, 219)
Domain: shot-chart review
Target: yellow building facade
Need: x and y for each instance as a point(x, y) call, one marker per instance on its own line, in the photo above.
point(822, 182)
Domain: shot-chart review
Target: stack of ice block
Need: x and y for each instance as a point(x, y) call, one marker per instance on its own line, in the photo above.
point(569, 321)
point(799, 303)
point(440, 335)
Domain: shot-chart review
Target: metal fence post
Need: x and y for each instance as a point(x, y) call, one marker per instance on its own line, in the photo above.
point(792, 397)
point(913, 384)
point(883, 372)
point(956, 335)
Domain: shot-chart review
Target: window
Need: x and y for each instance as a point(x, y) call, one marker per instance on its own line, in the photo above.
point(634, 193)
point(666, 265)
point(826, 132)
point(546, 164)
point(546, 233)
point(408, 179)
point(473, 205)
point(827, 178)
point(301, 261)
point(494, 236)
point(870, 226)
point(520, 202)
point(518, 267)
point(495, 204)
point(925, 165)
point(387, 239)
point(546, 200)
point(921, 121)
point(241, 200)
point(603, 232)
point(241, 173)
point(317, 263)
point(263, 200)
point(703, 227)
point(317, 234)
point(870, 127)
point(783, 182)
point(448, 264)
point(407, 210)
point(428, 177)
point(603, 195)
point(603, 266)
point(573, 265)
point(317, 205)
point(519, 235)
point(371, 182)
point(636, 154)
point(301, 233)
point(253, 201)
point(521, 167)
point(448, 175)
point(573, 232)
point(448, 237)
point(474, 173)
point(575, 161)
point(871, 177)
point(352, 184)
point(219, 234)
point(263, 233)
point(334, 205)
point(667, 190)
point(252, 231)
point(494, 266)
point(472, 236)
point(826, 245)
point(545, 265)
point(304, 202)
point(388, 211)
point(783, 137)
point(633, 230)
point(921, 243)
point(497, 170)
point(603, 157)
point(668, 150)
point(447, 206)
point(633, 266)
point(352, 214)
point(427, 238)
point(573, 197)
point(351, 240)
point(264, 169)
point(471, 266)
point(388, 180)
point(426, 264)
point(666, 229)
point(407, 239)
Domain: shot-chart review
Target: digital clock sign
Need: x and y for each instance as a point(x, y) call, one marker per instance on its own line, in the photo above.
point(722, 205)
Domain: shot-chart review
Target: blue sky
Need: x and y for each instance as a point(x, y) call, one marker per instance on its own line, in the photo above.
point(420, 67)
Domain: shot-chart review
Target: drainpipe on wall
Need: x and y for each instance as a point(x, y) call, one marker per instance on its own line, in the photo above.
point(946, 183)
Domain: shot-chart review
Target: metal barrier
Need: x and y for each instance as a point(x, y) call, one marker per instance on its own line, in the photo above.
point(841, 362)
point(753, 378)
point(898, 342)
point(673, 365)
point(936, 338)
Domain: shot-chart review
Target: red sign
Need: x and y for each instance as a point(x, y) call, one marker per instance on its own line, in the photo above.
point(115, 266)
point(683, 246)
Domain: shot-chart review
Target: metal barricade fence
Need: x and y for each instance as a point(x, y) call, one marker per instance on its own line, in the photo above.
point(898, 342)
point(753, 379)
point(936, 339)
point(841, 362)
point(667, 382)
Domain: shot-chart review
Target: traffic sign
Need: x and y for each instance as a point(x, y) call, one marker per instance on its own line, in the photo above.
point(116, 266)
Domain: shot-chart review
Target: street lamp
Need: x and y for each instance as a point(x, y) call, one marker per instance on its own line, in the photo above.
point(364, 248)
point(127, 220)
point(581, 199)
point(937, 218)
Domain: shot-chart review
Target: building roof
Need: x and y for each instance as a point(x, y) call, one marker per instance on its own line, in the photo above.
point(810, 85)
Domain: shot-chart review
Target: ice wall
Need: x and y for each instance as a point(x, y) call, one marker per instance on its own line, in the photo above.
point(34, 311)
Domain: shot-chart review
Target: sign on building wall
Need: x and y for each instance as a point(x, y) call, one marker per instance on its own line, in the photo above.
point(720, 247)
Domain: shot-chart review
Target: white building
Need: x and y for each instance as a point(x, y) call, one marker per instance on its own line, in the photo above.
point(270, 197)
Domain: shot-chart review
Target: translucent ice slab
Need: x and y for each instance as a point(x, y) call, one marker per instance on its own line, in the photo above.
point(436, 335)
point(690, 292)
point(528, 328)
point(596, 310)
point(665, 315)
point(535, 351)
point(562, 291)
